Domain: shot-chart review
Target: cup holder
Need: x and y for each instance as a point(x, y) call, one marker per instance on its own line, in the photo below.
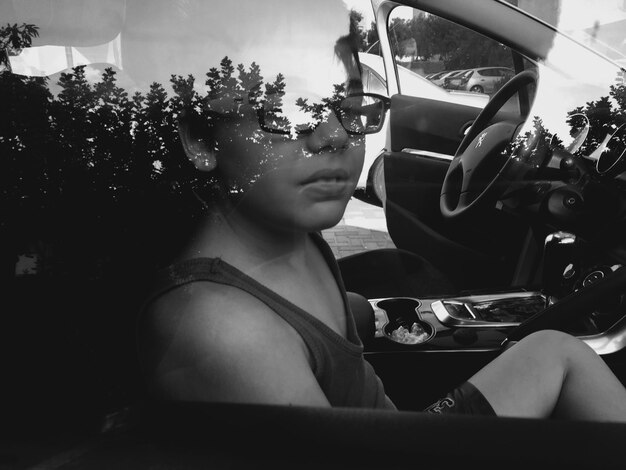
point(408, 333)
point(405, 326)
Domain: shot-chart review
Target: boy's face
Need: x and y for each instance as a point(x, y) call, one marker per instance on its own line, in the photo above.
point(281, 135)
point(288, 146)
point(303, 181)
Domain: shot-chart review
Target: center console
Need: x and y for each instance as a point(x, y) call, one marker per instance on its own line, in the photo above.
point(478, 323)
point(483, 321)
point(474, 321)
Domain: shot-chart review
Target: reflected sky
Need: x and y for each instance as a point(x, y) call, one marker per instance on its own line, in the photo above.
point(158, 38)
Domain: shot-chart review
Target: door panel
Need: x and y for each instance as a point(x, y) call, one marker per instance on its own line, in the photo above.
point(413, 183)
point(430, 125)
point(425, 133)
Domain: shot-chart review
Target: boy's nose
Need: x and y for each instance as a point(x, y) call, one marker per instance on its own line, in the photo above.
point(328, 134)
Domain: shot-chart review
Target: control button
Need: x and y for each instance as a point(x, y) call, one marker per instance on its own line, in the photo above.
point(593, 277)
point(571, 201)
point(569, 271)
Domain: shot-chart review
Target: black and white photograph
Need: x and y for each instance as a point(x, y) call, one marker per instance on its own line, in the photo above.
point(312, 234)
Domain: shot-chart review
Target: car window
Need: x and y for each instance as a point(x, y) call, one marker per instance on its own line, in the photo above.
point(423, 42)
point(97, 191)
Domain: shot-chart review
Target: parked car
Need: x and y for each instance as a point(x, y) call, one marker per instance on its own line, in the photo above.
point(413, 84)
point(480, 80)
point(435, 76)
point(440, 80)
point(448, 78)
point(502, 227)
point(453, 82)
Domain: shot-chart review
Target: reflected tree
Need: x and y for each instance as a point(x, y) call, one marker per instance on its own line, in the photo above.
point(13, 39)
point(603, 115)
point(25, 140)
point(94, 179)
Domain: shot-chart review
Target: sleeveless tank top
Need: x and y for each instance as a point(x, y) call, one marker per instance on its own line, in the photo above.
point(338, 364)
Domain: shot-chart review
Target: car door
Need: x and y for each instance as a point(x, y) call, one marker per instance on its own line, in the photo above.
point(424, 136)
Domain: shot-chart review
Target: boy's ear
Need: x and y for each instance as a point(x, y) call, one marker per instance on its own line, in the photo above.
point(195, 147)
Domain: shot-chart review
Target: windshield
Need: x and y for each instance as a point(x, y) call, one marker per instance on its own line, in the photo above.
point(598, 24)
point(588, 87)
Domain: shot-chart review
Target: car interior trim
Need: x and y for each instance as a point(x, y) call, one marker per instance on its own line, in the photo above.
point(611, 341)
point(444, 315)
point(427, 153)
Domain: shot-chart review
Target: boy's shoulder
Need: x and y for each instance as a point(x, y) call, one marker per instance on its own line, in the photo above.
point(213, 342)
point(208, 302)
point(192, 313)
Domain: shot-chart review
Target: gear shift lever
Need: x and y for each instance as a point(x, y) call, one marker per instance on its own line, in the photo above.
point(561, 251)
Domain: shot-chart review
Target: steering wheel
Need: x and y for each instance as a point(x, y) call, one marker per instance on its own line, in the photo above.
point(480, 159)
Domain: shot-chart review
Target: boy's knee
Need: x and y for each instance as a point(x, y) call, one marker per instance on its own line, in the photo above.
point(547, 336)
point(555, 343)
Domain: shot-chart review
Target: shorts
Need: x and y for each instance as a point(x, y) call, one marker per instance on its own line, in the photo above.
point(465, 400)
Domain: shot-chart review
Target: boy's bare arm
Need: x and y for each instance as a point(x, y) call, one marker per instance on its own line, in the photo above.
point(217, 343)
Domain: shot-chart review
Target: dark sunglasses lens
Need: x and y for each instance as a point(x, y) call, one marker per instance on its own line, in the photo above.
point(358, 114)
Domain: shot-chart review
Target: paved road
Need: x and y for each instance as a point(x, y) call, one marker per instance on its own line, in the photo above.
point(362, 228)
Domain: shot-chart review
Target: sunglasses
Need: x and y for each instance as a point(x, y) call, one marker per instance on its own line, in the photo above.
point(358, 114)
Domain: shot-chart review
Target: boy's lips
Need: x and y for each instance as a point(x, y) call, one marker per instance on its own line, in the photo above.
point(327, 176)
point(327, 184)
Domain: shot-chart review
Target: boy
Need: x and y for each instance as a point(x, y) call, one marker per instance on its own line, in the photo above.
point(254, 310)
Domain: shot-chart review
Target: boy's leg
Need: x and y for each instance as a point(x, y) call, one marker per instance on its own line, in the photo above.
point(550, 373)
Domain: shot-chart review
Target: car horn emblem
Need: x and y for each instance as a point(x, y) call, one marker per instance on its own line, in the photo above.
point(480, 139)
